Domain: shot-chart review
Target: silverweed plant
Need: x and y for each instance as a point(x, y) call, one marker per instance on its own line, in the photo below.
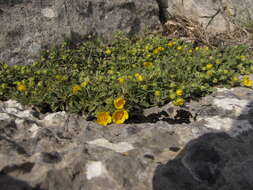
point(111, 79)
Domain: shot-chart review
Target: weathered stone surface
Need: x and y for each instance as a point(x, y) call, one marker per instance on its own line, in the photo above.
point(214, 161)
point(29, 26)
point(204, 145)
point(216, 16)
point(221, 158)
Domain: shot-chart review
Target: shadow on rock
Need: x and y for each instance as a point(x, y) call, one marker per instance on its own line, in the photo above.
point(214, 161)
point(169, 115)
point(9, 183)
point(10, 2)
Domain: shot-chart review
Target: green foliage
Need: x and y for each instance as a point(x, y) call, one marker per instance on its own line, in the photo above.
point(145, 71)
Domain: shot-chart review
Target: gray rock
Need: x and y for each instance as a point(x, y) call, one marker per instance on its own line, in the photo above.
point(58, 151)
point(214, 161)
point(216, 16)
point(27, 27)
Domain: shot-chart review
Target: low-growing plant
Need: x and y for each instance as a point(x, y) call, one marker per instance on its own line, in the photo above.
point(138, 73)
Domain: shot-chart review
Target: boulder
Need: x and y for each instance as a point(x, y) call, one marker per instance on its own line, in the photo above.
point(214, 161)
point(216, 16)
point(28, 26)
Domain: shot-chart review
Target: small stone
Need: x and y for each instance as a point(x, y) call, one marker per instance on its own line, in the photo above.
point(95, 169)
point(119, 147)
point(48, 12)
point(4, 116)
point(13, 104)
point(55, 119)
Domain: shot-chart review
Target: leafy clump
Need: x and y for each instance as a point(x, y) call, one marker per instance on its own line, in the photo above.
point(146, 71)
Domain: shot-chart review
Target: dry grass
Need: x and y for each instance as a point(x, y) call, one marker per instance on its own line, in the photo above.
point(191, 31)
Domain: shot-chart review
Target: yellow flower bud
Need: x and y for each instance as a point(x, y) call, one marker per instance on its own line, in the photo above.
point(157, 93)
point(179, 92)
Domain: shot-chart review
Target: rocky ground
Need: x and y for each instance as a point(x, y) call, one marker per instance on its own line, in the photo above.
point(30, 26)
point(205, 145)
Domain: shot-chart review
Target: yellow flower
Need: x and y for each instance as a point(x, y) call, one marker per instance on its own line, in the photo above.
point(139, 77)
point(21, 87)
point(108, 52)
point(247, 82)
point(148, 55)
point(157, 93)
point(170, 44)
point(179, 48)
point(84, 84)
point(206, 48)
point(119, 116)
point(75, 89)
point(179, 92)
point(179, 102)
point(190, 51)
point(147, 64)
point(119, 103)
point(129, 77)
point(209, 73)
point(121, 80)
point(156, 51)
point(209, 66)
point(104, 118)
point(160, 48)
point(148, 47)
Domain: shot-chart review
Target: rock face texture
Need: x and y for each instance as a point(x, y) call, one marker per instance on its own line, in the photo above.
point(212, 162)
point(215, 15)
point(205, 145)
point(28, 26)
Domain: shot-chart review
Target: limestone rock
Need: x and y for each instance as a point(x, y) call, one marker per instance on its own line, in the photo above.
point(212, 162)
point(56, 151)
point(27, 27)
point(216, 16)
